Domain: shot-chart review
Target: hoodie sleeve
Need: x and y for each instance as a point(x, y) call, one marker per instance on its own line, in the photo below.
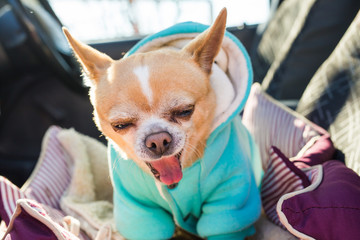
point(229, 213)
point(136, 220)
point(136, 217)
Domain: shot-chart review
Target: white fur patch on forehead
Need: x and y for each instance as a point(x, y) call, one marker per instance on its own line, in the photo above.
point(142, 73)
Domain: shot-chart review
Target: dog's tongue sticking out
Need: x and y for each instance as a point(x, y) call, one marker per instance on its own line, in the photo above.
point(169, 169)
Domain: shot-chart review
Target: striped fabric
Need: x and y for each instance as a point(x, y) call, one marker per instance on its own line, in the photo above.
point(31, 221)
point(52, 174)
point(312, 174)
point(281, 177)
point(11, 197)
point(273, 124)
point(43, 190)
point(9, 194)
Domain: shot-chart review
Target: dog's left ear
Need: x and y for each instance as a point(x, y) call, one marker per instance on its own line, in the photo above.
point(206, 46)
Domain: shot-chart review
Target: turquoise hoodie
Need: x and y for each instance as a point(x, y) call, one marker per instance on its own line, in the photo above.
point(218, 196)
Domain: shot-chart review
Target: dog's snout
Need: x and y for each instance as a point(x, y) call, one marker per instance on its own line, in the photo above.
point(158, 143)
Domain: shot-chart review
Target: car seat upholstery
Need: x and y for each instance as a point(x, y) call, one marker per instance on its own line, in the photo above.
point(331, 99)
point(296, 42)
point(276, 34)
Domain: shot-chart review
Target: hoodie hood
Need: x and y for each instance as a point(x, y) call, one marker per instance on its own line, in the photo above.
point(231, 76)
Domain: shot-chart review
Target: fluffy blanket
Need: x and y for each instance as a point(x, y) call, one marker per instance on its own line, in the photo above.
point(82, 207)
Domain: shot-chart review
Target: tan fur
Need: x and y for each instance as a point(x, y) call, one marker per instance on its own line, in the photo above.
point(176, 78)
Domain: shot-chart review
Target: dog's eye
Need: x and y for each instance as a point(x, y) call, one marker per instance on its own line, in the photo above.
point(121, 126)
point(185, 113)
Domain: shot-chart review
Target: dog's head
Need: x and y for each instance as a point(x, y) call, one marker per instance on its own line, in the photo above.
point(157, 107)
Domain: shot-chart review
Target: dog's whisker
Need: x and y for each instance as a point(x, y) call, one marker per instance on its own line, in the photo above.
point(194, 149)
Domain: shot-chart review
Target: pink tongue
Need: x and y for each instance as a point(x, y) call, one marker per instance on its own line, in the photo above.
point(169, 170)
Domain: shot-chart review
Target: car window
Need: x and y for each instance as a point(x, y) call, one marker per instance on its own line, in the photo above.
point(103, 20)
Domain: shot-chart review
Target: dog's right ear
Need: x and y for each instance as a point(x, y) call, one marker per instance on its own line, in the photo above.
point(206, 45)
point(93, 62)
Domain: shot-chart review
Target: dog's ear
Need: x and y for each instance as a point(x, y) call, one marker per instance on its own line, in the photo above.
point(206, 46)
point(93, 62)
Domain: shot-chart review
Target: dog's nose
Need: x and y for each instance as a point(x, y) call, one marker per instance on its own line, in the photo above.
point(158, 143)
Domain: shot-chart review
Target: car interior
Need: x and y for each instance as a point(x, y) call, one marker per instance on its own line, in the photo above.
point(305, 57)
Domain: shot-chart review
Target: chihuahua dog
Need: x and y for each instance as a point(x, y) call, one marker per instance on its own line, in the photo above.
point(157, 108)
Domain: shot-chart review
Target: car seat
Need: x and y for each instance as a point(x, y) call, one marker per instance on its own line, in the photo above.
point(297, 40)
